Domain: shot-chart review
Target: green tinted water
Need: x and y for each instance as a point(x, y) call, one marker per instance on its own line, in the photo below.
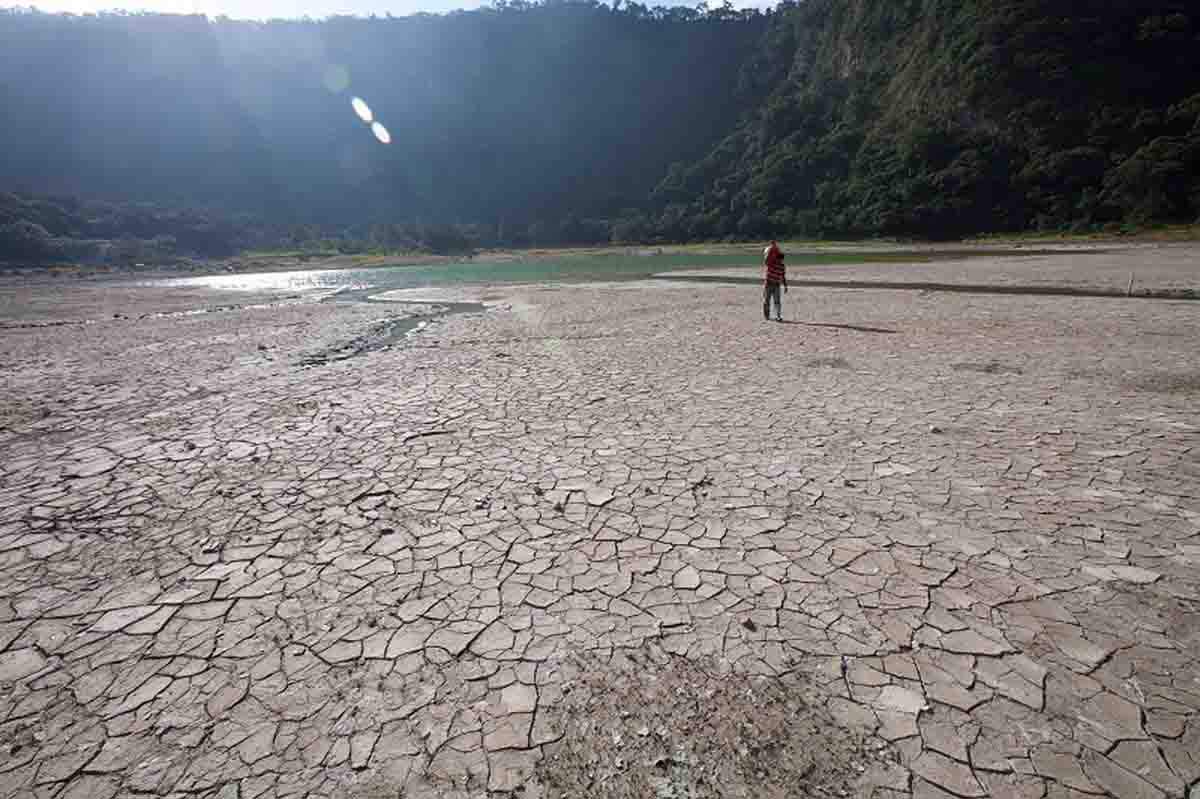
point(607, 267)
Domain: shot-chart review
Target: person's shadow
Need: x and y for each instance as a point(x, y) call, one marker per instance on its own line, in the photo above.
point(859, 328)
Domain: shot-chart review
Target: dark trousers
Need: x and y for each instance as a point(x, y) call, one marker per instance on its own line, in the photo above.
point(773, 291)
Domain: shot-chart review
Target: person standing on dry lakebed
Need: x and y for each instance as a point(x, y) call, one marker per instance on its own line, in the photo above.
point(382, 413)
point(774, 276)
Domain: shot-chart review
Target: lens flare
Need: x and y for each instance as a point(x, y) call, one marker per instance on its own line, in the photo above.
point(362, 109)
point(381, 132)
point(336, 78)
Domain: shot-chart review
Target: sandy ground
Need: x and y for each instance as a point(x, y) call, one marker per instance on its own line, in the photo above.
point(602, 540)
point(1136, 268)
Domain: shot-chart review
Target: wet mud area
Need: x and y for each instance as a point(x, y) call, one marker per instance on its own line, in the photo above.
point(1141, 292)
point(385, 333)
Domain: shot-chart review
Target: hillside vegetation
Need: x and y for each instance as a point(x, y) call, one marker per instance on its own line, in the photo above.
point(577, 122)
point(947, 117)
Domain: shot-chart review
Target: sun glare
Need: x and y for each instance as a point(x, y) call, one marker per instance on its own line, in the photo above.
point(362, 109)
point(381, 133)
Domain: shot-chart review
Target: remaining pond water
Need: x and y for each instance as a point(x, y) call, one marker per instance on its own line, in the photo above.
point(617, 266)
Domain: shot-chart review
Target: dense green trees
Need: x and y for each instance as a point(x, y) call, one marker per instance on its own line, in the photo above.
point(570, 121)
point(941, 118)
point(39, 228)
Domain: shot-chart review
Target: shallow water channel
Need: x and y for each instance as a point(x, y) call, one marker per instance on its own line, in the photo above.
point(592, 267)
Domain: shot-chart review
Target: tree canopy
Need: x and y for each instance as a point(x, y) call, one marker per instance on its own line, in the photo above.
point(943, 118)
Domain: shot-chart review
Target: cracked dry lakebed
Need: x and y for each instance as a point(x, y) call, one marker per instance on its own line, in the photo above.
point(602, 539)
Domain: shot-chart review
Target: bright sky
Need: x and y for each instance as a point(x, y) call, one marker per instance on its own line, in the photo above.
point(266, 9)
point(259, 9)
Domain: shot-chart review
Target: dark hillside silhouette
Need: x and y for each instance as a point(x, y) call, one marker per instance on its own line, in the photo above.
point(578, 122)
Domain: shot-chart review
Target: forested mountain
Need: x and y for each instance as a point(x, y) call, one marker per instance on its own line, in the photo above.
point(506, 115)
point(572, 121)
point(946, 117)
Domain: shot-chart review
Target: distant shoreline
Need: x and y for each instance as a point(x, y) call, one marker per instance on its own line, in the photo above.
point(267, 262)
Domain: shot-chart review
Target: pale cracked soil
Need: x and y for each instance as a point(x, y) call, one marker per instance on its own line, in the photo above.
point(601, 540)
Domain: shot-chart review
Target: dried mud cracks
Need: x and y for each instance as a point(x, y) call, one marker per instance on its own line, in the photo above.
point(222, 575)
